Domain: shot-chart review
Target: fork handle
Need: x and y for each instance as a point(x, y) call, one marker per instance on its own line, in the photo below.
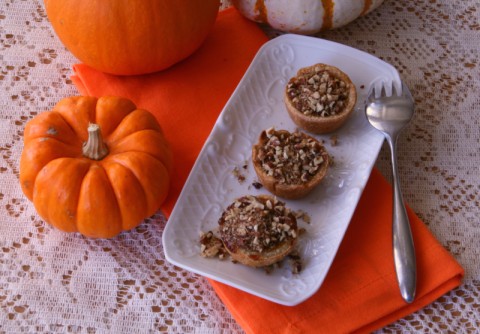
point(403, 248)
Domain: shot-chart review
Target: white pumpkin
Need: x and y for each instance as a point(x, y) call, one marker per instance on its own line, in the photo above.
point(305, 16)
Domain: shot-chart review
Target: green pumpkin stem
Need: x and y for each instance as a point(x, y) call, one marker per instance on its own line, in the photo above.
point(95, 148)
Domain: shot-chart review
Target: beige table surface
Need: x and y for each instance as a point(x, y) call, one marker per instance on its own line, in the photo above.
point(52, 282)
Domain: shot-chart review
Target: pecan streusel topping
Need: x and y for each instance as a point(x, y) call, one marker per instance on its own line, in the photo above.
point(256, 224)
point(291, 158)
point(318, 93)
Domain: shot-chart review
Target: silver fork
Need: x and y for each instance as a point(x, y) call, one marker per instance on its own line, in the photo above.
point(390, 113)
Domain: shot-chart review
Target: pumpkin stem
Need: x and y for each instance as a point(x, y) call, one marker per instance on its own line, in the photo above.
point(95, 148)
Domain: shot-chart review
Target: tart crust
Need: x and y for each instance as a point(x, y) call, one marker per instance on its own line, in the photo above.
point(315, 123)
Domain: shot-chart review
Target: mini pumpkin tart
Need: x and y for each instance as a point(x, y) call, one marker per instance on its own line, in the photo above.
point(289, 164)
point(258, 231)
point(320, 98)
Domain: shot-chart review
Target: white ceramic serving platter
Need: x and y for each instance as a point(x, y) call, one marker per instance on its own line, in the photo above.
point(257, 104)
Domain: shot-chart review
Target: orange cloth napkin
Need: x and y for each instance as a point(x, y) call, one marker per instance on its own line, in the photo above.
point(360, 292)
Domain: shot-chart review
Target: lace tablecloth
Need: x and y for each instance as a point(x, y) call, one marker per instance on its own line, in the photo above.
point(53, 282)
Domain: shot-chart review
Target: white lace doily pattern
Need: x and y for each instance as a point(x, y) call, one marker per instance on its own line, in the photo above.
point(51, 282)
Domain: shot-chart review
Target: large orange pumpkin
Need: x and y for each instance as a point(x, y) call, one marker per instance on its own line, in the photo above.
point(132, 37)
point(95, 166)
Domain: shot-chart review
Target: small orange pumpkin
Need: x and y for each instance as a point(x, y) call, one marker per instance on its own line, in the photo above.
point(132, 37)
point(80, 182)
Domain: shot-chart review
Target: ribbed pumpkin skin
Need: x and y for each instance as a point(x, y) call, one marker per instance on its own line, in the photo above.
point(100, 198)
point(305, 16)
point(132, 37)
